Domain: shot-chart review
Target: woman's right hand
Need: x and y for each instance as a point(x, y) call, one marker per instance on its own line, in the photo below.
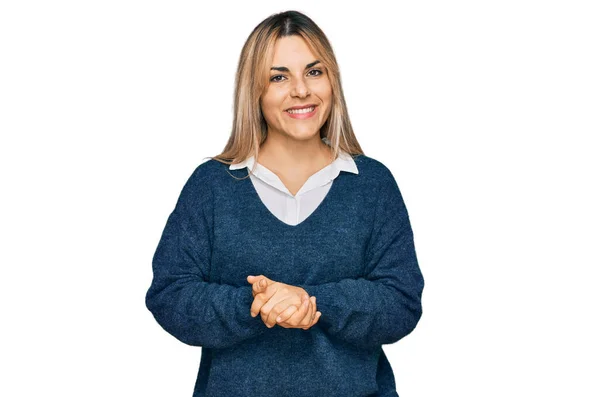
point(287, 312)
point(304, 317)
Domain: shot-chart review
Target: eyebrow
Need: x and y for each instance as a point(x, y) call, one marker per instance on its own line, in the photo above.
point(284, 69)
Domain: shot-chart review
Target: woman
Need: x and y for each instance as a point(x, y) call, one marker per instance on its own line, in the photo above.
point(292, 208)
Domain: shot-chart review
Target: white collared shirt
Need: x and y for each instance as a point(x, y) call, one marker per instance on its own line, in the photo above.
point(278, 199)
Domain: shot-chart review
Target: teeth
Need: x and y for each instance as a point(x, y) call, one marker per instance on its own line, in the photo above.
point(299, 111)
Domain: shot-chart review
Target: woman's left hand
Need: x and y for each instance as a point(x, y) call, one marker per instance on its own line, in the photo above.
point(259, 284)
point(287, 305)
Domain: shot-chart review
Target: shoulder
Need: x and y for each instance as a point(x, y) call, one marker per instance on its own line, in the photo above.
point(207, 170)
point(199, 186)
point(373, 170)
point(383, 185)
point(211, 173)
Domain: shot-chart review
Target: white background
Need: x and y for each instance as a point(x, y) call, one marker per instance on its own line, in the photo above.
point(485, 111)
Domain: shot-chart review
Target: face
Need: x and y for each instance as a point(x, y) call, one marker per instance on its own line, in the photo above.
point(297, 82)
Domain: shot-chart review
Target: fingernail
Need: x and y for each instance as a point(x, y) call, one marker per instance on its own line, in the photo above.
point(278, 319)
point(252, 314)
point(306, 302)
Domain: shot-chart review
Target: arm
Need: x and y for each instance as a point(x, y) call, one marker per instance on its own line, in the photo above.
point(385, 305)
point(195, 311)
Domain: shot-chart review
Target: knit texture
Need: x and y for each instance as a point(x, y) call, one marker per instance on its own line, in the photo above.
point(355, 253)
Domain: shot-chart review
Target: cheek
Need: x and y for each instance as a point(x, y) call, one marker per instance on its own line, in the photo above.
point(324, 91)
point(271, 104)
point(326, 96)
point(267, 107)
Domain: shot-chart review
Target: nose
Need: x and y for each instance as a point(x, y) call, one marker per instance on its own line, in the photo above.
point(300, 89)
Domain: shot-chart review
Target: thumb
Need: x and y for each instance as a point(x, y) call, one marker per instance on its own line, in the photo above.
point(262, 283)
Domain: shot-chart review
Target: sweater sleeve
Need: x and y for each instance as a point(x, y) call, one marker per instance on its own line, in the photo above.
point(183, 302)
point(385, 305)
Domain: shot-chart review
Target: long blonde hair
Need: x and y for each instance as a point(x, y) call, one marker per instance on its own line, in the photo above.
point(249, 128)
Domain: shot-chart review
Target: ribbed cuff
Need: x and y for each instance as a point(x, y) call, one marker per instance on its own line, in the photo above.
point(245, 299)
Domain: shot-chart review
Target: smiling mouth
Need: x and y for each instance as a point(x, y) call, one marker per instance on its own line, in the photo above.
point(301, 111)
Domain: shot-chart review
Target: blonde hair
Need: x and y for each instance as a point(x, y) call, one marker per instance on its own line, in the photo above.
point(249, 128)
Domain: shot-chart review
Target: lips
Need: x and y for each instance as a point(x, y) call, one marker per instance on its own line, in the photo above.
point(302, 114)
point(301, 107)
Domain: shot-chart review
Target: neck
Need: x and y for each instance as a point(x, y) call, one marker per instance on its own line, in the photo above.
point(280, 153)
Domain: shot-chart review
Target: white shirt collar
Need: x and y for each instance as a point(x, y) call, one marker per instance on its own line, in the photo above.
point(344, 162)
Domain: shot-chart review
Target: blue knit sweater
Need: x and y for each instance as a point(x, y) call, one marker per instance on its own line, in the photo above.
point(355, 253)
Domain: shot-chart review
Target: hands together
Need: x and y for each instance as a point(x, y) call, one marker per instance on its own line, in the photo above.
point(289, 303)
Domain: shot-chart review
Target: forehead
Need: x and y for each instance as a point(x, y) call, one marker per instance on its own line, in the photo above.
point(292, 51)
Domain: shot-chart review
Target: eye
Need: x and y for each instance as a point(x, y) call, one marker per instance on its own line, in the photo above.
point(273, 78)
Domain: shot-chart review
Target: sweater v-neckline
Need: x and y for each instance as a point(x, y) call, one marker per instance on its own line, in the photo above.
point(274, 219)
